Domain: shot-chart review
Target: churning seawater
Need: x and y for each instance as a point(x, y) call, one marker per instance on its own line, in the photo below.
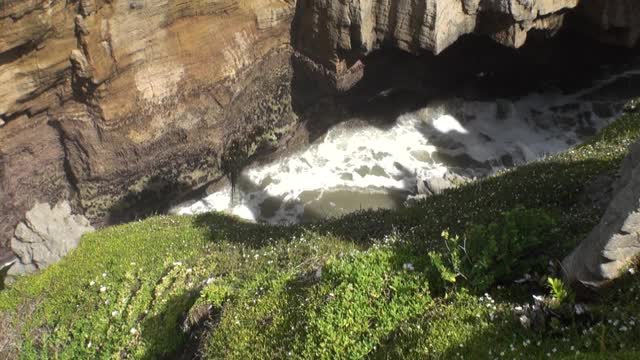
point(358, 165)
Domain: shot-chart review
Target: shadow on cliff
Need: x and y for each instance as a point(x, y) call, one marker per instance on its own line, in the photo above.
point(157, 197)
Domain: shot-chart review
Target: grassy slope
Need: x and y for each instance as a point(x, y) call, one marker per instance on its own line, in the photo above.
point(334, 289)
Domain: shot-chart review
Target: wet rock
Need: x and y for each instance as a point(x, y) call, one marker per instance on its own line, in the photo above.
point(603, 110)
point(377, 170)
point(363, 170)
point(421, 155)
point(45, 236)
point(507, 160)
point(504, 109)
point(269, 207)
point(433, 185)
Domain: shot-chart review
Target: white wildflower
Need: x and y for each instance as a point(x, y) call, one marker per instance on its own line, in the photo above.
point(408, 266)
point(103, 288)
point(133, 331)
point(114, 313)
point(92, 283)
point(632, 271)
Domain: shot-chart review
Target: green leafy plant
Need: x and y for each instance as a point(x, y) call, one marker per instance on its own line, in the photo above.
point(496, 252)
point(560, 293)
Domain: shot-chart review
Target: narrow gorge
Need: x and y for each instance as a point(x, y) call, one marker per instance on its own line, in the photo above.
point(352, 123)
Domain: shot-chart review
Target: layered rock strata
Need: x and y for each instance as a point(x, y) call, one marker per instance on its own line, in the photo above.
point(118, 105)
point(333, 36)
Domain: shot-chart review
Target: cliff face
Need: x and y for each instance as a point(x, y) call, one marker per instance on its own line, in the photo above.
point(332, 36)
point(122, 102)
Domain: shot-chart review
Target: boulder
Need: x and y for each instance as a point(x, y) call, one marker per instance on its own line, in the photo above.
point(615, 242)
point(45, 236)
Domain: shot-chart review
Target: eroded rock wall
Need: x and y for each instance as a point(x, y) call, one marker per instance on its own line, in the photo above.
point(332, 36)
point(115, 105)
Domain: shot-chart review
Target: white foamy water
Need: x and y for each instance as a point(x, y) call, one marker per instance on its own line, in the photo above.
point(357, 165)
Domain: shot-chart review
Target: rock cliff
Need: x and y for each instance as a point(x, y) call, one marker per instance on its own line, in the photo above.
point(333, 36)
point(114, 104)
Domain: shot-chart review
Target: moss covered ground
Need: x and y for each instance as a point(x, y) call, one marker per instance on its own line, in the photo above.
point(362, 286)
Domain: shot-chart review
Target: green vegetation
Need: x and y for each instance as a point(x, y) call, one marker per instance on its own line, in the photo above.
point(379, 284)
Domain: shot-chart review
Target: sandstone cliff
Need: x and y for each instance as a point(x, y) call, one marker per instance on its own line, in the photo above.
point(333, 36)
point(117, 103)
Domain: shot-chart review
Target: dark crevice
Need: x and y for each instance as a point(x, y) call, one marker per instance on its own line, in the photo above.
point(17, 52)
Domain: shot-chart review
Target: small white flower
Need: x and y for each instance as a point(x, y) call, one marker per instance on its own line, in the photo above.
point(189, 270)
point(104, 274)
point(89, 345)
point(133, 331)
point(209, 280)
point(92, 283)
point(632, 271)
point(408, 266)
point(114, 313)
point(103, 288)
point(623, 328)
